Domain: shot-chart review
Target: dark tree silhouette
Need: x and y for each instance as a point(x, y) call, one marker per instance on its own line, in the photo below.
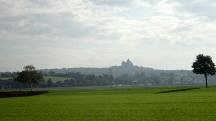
point(204, 65)
point(29, 76)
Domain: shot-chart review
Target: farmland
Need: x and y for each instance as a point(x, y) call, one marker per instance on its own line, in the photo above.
point(113, 104)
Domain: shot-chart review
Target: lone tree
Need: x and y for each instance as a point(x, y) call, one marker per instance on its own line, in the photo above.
point(29, 76)
point(204, 65)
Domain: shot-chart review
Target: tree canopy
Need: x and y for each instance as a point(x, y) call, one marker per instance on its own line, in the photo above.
point(204, 65)
point(29, 76)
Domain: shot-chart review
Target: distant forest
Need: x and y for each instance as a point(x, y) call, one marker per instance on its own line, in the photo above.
point(127, 74)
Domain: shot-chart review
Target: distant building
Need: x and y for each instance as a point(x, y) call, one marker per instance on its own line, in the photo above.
point(127, 64)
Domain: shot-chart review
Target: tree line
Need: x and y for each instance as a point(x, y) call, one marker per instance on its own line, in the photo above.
point(30, 77)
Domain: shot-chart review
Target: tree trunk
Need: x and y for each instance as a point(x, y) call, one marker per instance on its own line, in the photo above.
point(30, 84)
point(31, 87)
point(206, 79)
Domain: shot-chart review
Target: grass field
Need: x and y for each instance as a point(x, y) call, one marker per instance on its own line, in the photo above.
point(5, 78)
point(114, 104)
point(55, 78)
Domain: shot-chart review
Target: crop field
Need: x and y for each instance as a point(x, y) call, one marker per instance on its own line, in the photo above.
point(113, 104)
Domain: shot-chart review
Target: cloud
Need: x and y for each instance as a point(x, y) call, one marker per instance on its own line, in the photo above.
point(198, 7)
point(76, 32)
point(112, 2)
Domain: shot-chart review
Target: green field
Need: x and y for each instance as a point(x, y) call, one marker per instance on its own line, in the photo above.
point(55, 78)
point(113, 104)
point(5, 78)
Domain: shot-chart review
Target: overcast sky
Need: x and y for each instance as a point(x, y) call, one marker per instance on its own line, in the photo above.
point(164, 34)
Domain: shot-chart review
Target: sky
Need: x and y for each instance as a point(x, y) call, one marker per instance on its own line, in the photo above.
point(163, 34)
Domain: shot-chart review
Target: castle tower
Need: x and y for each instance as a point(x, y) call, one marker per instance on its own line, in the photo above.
point(127, 64)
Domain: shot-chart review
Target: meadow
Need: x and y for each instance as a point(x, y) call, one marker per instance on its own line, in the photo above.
point(55, 78)
point(113, 104)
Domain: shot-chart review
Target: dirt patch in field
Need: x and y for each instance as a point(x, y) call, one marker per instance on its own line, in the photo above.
point(21, 93)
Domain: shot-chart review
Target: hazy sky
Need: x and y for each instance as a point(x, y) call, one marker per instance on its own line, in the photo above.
point(164, 34)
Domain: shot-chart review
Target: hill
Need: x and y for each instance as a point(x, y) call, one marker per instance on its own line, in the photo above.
point(128, 72)
point(127, 67)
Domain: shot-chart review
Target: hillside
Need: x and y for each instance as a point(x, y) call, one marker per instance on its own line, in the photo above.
point(127, 71)
point(127, 67)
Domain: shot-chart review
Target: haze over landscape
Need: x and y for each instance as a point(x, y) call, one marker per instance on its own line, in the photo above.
point(163, 34)
point(107, 60)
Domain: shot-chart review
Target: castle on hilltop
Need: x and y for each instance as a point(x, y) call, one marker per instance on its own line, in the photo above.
point(127, 64)
point(126, 68)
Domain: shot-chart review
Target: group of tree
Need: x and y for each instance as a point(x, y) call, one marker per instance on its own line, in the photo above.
point(30, 77)
point(79, 79)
